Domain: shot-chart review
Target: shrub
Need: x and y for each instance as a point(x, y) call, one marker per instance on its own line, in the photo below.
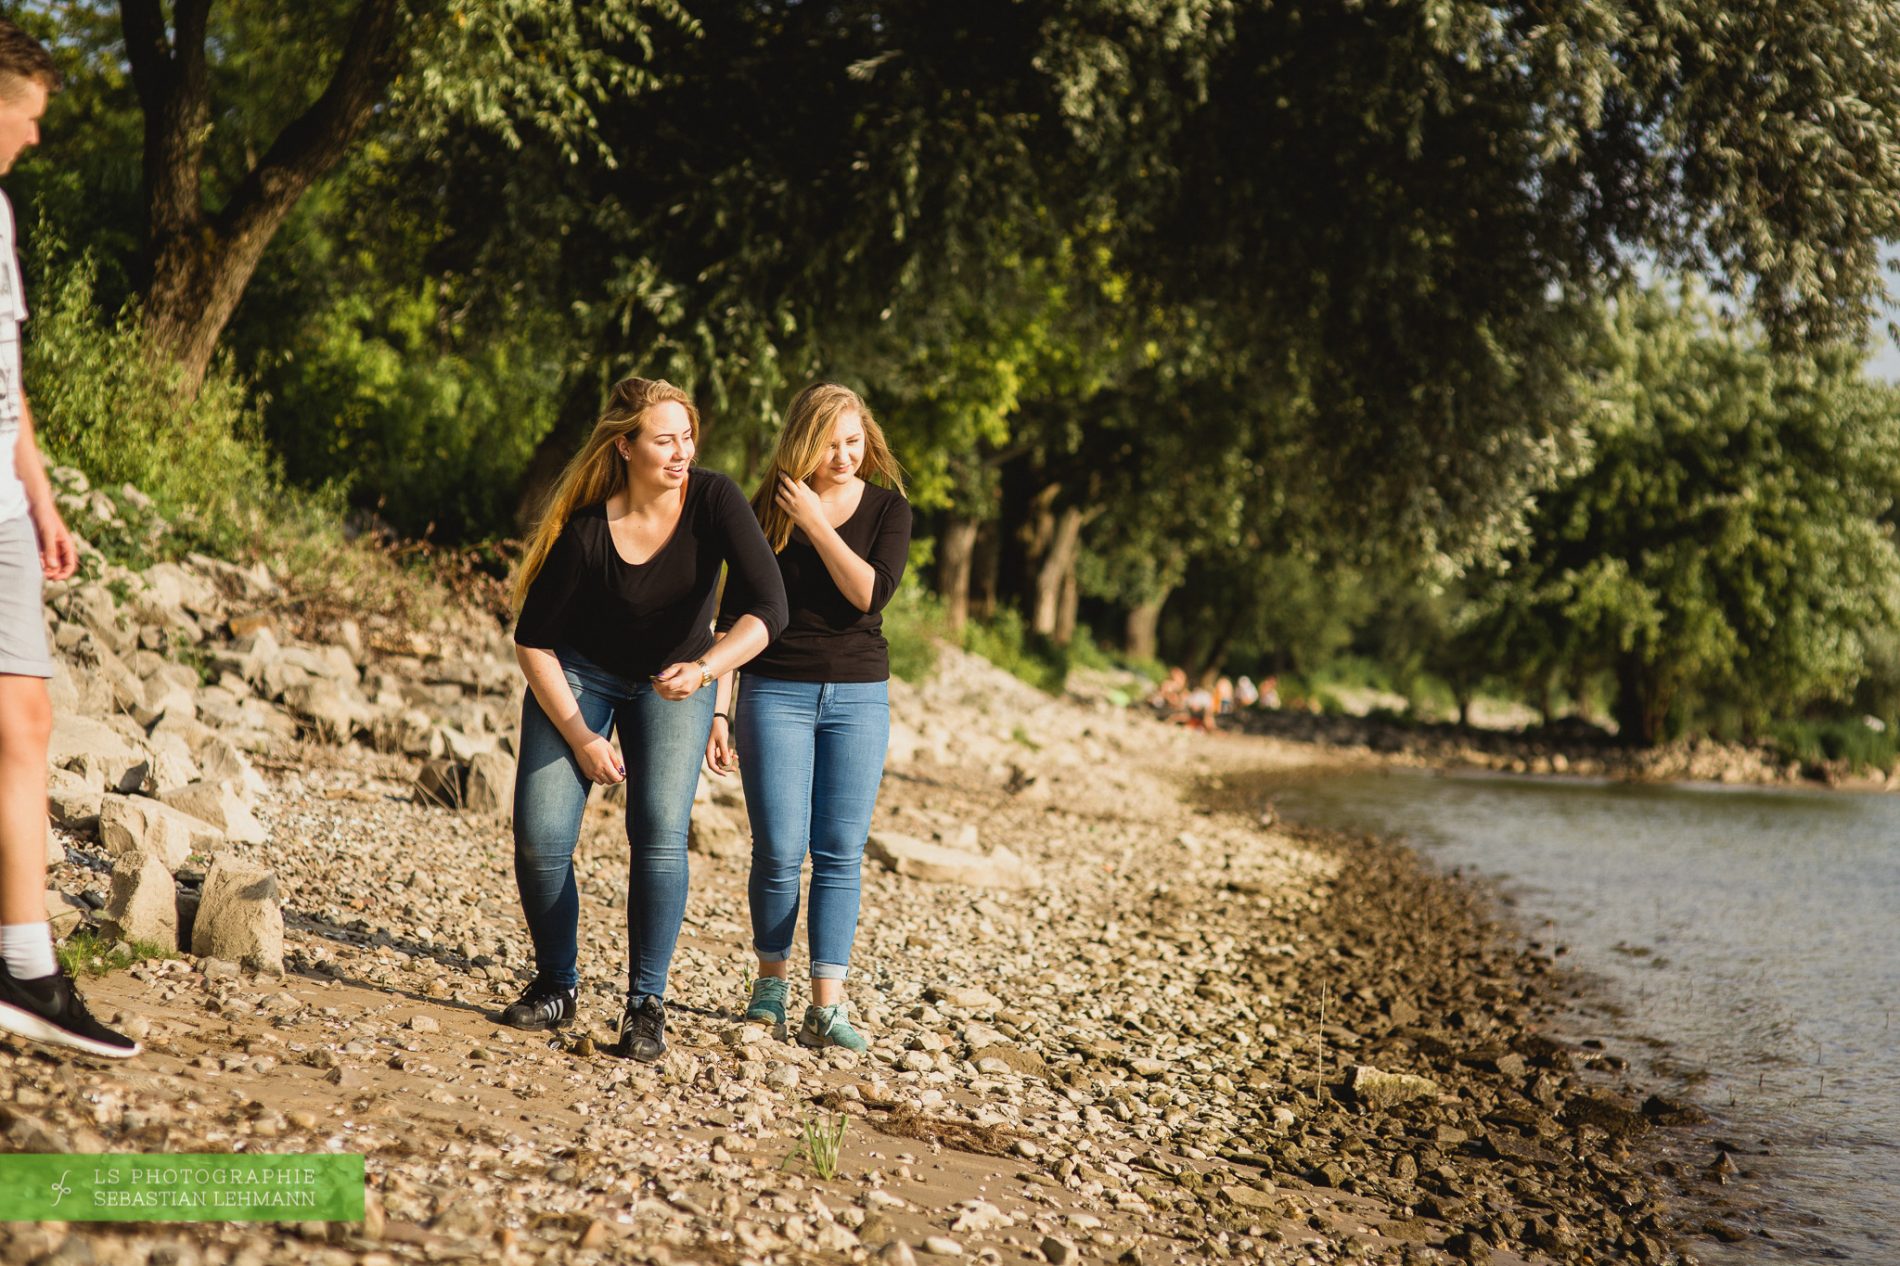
point(100, 404)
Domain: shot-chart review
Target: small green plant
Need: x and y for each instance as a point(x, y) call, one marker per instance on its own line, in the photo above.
point(1020, 735)
point(87, 953)
point(820, 1142)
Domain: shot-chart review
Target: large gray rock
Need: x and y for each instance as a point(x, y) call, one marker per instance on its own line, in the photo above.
point(223, 761)
point(937, 863)
point(489, 785)
point(905, 744)
point(439, 782)
point(97, 753)
point(92, 605)
point(143, 902)
point(240, 917)
point(72, 801)
point(1376, 1089)
point(164, 697)
point(134, 824)
point(221, 806)
point(335, 712)
point(716, 831)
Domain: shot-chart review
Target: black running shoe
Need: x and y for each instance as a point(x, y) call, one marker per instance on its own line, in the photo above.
point(642, 1030)
point(48, 1009)
point(543, 1006)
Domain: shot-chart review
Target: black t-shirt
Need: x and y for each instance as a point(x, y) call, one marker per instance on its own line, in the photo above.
point(825, 637)
point(637, 619)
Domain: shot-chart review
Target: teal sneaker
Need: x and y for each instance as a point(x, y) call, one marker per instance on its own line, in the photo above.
point(768, 1000)
point(827, 1026)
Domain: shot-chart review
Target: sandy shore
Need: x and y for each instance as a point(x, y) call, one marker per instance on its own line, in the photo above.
point(1156, 1030)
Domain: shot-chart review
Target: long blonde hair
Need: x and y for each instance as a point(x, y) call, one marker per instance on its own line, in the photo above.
point(597, 471)
point(801, 446)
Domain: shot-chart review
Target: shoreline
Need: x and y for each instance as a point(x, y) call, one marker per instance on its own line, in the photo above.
point(1448, 747)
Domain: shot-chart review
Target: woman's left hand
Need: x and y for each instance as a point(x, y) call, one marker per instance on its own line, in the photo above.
point(678, 682)
point(796, 498)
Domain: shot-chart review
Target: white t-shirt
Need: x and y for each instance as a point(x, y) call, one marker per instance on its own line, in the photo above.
point(12, 313)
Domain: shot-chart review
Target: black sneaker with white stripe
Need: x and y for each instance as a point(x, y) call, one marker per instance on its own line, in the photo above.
point(642, 1030)
point(543, 1006)
point(48, 1009)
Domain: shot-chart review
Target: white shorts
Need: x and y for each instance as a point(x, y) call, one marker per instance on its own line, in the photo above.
point(22, 611)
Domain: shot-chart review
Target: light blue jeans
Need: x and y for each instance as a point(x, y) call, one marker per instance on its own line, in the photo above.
point(662, 743)
point(811, 755)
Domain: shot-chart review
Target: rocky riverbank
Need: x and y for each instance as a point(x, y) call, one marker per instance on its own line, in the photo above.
point(1114, 1015)
point(1571, 748)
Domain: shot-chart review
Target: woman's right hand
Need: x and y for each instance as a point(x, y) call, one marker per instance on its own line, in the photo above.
point(722, 755)
point(599, 762)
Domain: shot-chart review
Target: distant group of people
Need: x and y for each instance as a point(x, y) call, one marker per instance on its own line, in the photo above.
point(1200, 707)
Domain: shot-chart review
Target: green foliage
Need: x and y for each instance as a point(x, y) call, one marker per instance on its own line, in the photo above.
point(87, 953)
point(101, 405)
point(430, 431)
point(1844, 741)
point(1730, 539)
point(820, 1144)
point(1006, 643)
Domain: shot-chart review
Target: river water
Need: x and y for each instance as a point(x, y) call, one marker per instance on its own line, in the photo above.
point(1754, 932)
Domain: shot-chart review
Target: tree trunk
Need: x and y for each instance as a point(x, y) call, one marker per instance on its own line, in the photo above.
point(1141, 631)
point(988, 568)
point(956, 550)
point(1058, 561)
point(1066, 607)
point(1642, 703)
point(200, 262)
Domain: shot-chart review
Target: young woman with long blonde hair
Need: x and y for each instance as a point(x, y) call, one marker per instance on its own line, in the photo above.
point(814, 709)
point(616, 596)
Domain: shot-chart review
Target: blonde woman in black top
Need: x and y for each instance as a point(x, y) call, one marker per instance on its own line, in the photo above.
point(616, 596)
point(813, 711)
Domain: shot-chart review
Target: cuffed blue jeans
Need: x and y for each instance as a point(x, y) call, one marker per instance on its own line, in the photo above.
point(811, 755)
point(662, 743)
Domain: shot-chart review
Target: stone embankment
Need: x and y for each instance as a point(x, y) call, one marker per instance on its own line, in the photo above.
point(1111, 1019)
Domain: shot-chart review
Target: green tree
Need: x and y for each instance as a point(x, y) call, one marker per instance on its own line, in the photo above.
point(1729, 543)
point(246, 107)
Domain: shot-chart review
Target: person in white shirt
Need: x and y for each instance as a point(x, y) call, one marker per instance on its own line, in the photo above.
point(37, 1000)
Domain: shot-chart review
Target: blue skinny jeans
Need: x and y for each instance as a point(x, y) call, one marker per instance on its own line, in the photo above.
point(662, 743)
point(811, 755)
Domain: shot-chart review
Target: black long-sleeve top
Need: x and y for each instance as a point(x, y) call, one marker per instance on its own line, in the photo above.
point(635, 619)
point(826, 638)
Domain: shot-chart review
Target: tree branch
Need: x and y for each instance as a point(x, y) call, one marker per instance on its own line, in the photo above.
point(316, 139)
point(149, 50)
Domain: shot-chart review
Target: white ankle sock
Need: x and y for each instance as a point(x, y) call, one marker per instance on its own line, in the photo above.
point(27, 949)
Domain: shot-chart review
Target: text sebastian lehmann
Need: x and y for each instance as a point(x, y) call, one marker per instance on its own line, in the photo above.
point(157, 1187)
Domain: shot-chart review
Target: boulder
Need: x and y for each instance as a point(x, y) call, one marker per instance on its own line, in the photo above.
point(239, 916)
point(1375, 1089)
point(489, 784)
point(64, 913)
point(143, 902)
point(716, 831)
point(938, 863)
point(220, 805)
point(72, 801)
point(439, 782)
point(905, 744)
point(93, 606)
point(97, 753)
point(134, 824)
point(335, 712)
